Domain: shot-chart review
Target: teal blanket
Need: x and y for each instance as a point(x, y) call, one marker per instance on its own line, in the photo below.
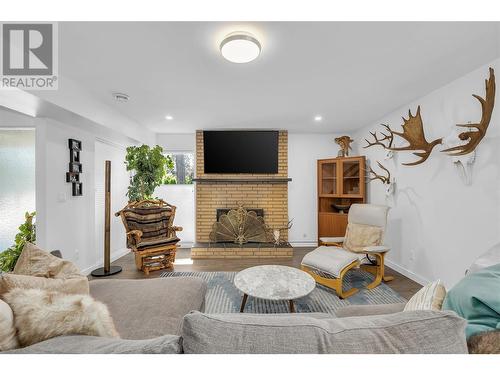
point(477, 298)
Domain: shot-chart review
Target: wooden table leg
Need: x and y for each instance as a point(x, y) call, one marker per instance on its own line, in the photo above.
point(243, 302)
point(292, 307)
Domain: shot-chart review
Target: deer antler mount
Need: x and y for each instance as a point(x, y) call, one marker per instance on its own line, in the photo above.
point(385, 179)
point(380, 141)
point(475, 136)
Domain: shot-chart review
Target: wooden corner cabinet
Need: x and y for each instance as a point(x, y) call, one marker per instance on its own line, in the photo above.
point(341, 182)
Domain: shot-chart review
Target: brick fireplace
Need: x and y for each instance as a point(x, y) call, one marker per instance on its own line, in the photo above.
point(268, 192)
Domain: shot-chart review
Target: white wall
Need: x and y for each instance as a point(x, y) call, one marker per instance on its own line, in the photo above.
point(65, 222)
point(177, 142)
point(303, 151)
point(181, 196)
point(437, 224)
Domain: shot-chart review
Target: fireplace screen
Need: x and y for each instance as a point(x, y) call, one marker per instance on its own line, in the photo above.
point(240, 226)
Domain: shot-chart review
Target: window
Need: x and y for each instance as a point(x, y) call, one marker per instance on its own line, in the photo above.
point(180, 168)
point(17, 181)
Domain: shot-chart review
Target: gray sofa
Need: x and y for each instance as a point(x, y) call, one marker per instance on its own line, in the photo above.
point(164, 316)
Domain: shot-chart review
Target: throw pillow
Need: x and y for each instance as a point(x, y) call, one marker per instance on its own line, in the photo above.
point(359, 236)
point(40, 315)
point(10, 281)
point(39, 269)
point(430, 297)
point(8, 338)
point(34, 261)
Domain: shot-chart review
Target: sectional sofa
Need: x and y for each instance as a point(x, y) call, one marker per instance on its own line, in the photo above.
point(165, 315)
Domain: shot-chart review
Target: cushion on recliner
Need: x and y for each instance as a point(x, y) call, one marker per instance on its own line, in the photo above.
point(331, 260)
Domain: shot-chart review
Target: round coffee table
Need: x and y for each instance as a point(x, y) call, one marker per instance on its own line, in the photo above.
point(277, 283)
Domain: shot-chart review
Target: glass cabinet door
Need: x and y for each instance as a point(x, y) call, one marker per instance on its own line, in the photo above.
point(351, 176)
point(328, 178)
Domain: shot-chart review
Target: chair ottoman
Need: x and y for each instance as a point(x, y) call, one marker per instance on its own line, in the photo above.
point(328, 265)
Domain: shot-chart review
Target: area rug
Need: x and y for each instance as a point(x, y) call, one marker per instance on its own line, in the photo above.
point(223, 297)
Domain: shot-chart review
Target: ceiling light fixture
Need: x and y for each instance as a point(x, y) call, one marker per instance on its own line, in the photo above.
point(318, 118)
point(168, 117)
point(240, 47)
point(120, 97)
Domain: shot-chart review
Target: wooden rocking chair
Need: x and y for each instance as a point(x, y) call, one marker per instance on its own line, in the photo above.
point(151, 234)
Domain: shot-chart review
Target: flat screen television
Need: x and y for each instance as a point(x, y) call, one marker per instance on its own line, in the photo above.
point(240, 151)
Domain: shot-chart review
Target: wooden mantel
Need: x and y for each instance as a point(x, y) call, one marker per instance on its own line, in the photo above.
point(269, 180)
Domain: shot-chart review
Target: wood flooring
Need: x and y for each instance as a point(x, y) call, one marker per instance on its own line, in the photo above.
point(401, 284)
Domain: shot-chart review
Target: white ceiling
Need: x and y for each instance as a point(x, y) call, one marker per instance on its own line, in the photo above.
point(351, 73)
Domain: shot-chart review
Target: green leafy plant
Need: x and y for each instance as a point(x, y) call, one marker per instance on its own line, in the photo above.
point(149, 166)
point(27, 233)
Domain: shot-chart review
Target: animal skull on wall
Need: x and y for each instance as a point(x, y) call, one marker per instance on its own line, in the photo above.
point(462, 163)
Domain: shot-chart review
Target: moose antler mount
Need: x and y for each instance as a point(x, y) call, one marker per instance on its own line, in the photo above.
point(475, 136)
point(413, 134)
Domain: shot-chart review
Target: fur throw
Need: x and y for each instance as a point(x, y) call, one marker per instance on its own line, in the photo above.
point(8, 339)
point(40, 315)
point(485, 343)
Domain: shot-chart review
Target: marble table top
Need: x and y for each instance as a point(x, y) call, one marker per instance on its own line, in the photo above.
point(274, 282)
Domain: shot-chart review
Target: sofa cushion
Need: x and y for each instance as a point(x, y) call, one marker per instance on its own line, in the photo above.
point(404, 332)
point(149, 308)
point(102, 345)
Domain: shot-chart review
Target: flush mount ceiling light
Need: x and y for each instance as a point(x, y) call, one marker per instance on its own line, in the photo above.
point(240, 47)
point(318, 118)
point(168, 117)
point(120, 97)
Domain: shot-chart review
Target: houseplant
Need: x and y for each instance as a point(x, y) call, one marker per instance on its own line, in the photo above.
point(27, 233)
point(148, 166)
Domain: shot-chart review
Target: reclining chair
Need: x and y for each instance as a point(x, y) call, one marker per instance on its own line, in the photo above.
point(361, 246)
point(151, 233)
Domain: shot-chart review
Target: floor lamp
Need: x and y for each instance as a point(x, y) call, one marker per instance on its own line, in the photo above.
point(108, 269)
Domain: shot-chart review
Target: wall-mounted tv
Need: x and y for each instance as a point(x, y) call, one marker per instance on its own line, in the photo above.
point(240, 151)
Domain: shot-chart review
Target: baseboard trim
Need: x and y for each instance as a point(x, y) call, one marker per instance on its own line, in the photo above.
point(409, 274)
point(114, 256)
point(304, 244)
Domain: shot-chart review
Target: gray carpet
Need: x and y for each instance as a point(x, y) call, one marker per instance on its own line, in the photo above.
point(223, 297)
